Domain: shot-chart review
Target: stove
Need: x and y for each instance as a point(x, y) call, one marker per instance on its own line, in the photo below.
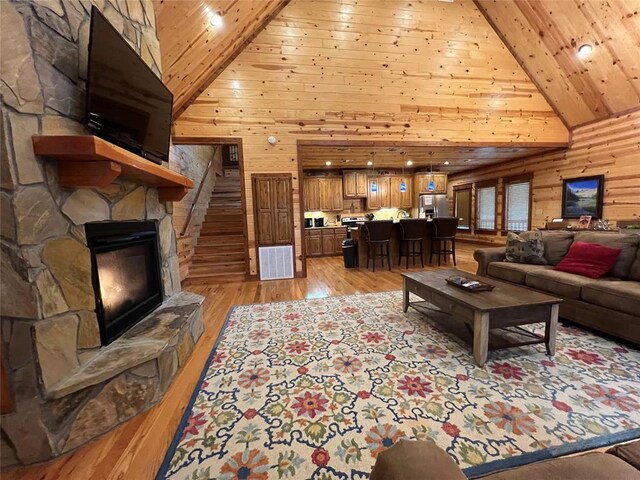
point(351, 221)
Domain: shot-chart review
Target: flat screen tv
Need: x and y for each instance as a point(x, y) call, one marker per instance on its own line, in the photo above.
point(127, 104)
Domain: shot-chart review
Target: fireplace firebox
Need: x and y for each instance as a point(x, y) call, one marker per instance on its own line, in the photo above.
point(126, 274)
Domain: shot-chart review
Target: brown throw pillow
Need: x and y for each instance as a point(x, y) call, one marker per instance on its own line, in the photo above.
point(525, 250)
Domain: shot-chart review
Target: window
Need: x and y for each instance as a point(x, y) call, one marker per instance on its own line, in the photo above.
point(462, 206)
point(517, 204)
point(486, 205)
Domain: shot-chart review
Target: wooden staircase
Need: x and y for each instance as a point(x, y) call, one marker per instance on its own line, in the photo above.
point(220, 254)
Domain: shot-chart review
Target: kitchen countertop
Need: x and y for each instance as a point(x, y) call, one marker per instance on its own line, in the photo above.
point(326, 226)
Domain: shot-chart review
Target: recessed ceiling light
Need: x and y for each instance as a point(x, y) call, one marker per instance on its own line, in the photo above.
point(216, 20)
point(409, 162)
point(446, 162)
point(327, 163)
point(369, 163)
point(585, 50)
point(469, 160)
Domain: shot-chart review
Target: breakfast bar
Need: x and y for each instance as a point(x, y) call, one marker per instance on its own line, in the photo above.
point(359, 235)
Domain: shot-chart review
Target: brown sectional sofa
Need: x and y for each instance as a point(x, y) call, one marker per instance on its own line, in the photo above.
point(424, 460)
point(610, 304)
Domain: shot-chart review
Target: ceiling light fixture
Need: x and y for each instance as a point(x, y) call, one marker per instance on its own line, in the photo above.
point(469, 160)
point(369, 163)
point(409, 162)
point(446, 162)
point(327, 163)
point(585, 50)
point(216, 20)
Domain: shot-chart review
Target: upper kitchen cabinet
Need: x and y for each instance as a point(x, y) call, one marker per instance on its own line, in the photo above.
point(373, 198)
point(323, 194)
point(355, 184)
point(439, 182)
point(400, 197)
point(384, 191)
point(311, 194)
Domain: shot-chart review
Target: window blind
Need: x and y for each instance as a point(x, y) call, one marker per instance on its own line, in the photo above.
point(517, 206)
point(486, 208)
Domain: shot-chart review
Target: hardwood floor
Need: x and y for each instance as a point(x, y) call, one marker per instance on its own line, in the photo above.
point(136, 449)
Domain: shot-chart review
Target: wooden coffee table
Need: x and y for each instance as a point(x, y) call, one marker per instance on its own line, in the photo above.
point(505, 306)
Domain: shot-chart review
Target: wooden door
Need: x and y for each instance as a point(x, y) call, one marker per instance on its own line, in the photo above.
point(349, 184)
point(273, 208)
point(311, 195)
point(325, 204)
point(384, 192)
point(361, 185)
point(263, 201)
point(336, 194)
point(373, 190)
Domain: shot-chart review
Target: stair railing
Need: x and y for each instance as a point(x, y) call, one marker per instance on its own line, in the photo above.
point(197, 197)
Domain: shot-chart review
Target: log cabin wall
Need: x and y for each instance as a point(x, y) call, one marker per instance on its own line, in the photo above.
point(328, 70)
point(608, 147)
point(192, 161)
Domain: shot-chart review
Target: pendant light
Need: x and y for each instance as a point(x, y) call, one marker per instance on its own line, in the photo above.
point(374, 183)
point(431, 186)
point(403, 185)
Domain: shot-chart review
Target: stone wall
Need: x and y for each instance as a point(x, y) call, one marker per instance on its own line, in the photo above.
point(191, 161)
point(49, 326)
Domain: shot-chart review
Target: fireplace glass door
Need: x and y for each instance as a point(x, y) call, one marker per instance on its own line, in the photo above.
point(126, 276)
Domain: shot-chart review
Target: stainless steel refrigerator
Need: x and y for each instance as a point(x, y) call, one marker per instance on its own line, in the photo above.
point(431, 206)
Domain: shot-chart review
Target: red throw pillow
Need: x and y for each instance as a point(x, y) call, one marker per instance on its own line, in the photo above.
point(588, 259)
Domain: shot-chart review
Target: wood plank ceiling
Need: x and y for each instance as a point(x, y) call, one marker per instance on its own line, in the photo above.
point(544, 35)
point(459, 158)
point(193, 51)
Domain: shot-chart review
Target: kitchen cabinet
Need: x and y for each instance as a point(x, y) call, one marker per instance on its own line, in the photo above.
point(273, 210)
point(439, 182)
point(355, 184)
point(384, 191)
point(311, 194)
point(398, 198)
point(324, 241)
point(373, 200)
point(323, 194)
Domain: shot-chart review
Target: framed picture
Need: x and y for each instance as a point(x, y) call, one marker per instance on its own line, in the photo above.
point(584, 222)
point(582, 196)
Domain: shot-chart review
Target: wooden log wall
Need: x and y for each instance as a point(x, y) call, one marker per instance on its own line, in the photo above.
point(363, 70)
point(191, 161)
point(609, 147)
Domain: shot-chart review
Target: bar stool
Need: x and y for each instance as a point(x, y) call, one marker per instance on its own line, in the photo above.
point(414, 231)
point(378, 235)
point(445, 228)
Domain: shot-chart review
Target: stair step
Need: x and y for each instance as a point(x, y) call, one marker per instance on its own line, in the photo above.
point(218, 257)
point(199, 279)
point(206, 269)
point(237, 239)
point(230, 249)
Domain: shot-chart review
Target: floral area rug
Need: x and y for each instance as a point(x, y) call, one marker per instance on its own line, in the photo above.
point(317, 389)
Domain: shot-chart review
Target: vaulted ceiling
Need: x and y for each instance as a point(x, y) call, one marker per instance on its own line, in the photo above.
point(544, 36)
point(194, 51)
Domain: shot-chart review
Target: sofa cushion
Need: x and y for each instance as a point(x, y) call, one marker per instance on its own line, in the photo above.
point(513, 272)
point(591, 466)
point(621, 295)
point(526, 249)
point(556, 245)
point(566, 285)
point(589, 259)
point(629, 452)
point(634, 273)
point(627, 243)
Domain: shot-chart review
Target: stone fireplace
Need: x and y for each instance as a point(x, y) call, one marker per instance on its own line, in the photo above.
point(71, 377)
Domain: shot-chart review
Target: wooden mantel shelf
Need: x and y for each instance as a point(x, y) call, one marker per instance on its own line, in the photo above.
point(89, 161)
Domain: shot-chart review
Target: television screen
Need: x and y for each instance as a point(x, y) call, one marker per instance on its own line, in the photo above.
point(127, 104)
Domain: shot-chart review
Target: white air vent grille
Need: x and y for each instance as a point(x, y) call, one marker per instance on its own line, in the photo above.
point(276, 262)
